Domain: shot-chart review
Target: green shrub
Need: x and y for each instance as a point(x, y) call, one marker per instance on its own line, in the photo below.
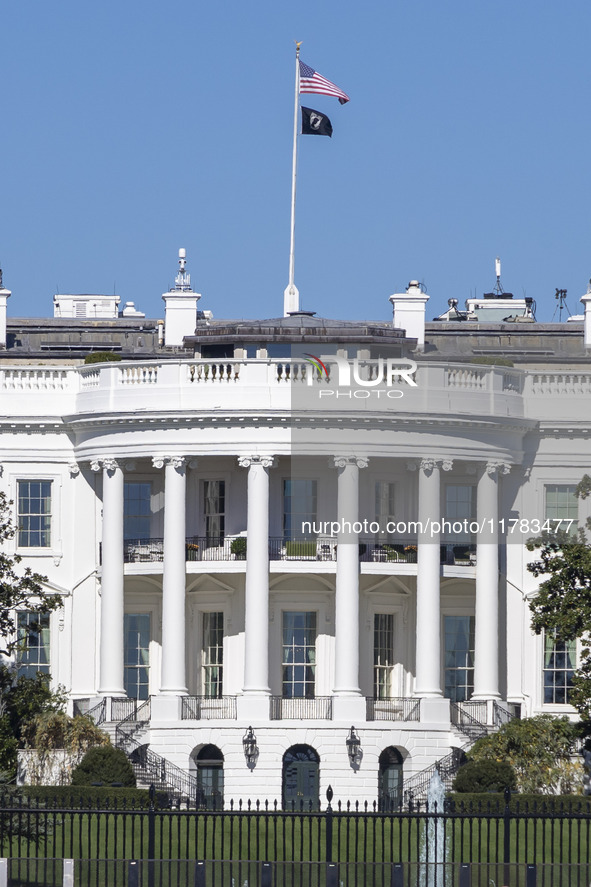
point(495, 803)
point(104, 765)
point(101, 357)
point(493, 361)
point(74, 797)
point(300, 549)
point(238, 547)
point(485, 776)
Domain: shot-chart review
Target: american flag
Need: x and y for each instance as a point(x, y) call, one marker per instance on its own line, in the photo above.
point(312, 81)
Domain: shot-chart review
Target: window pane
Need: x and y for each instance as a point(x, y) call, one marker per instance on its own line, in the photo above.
point(459, 657)
point(562, 504)
point(383, 654)
point(212, 655)
point(136, 673)
point(299, 507)
point(33, 646)
point(460, 506)
point(559, 665)
point(137, 510)
point(34, 513)
point(214, 509)
point(299, 655)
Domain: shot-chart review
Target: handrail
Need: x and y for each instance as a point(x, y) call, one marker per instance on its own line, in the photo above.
point(142, 758)
point(466, 723)
point(415, 789)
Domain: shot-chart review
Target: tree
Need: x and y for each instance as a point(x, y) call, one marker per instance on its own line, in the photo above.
point(563, 602)
point(21, 700)
point(540, 751)
point(19, 589)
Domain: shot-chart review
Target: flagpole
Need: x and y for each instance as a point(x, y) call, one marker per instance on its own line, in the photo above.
point(291, 296)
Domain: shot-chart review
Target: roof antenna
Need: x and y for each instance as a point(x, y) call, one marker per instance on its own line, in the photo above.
point(498, 286)
point(183, 279)
point(562, 306)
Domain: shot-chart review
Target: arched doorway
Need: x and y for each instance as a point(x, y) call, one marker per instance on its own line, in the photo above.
point(300, 779)
point(209, 764)
point(390, 780)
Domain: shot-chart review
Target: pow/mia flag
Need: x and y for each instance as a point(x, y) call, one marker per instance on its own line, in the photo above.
point(315, 124)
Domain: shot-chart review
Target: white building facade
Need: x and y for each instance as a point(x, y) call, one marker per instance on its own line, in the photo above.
point(277, 577)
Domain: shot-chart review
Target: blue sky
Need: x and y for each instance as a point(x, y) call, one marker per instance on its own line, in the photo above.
point(130, 129)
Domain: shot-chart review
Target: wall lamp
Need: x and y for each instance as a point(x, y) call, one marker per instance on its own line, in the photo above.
point(249, 744)
point(353, 746)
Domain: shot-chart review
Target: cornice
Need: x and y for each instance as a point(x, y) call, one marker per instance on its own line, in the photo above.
point(298, 419)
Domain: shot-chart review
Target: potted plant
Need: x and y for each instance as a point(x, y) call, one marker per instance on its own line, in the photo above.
point(411, 553)
point(238, 548)
point(192, 550)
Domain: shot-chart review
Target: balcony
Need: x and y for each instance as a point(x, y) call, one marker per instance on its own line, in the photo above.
point(202, 548)
point(393, 709)
point(300, 709)
point(207, 708)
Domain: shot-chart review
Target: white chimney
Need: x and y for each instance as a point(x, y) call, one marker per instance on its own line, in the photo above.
point(586, 300)
point(180, 307)
point(409, 312)
point(4, 294)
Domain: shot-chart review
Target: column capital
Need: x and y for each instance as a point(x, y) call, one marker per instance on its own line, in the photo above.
point(497, 467)
point(342, 461)
point(175, 461)
point(109, 463)
point(428, 464)
point(247, 461)
point(74, 469)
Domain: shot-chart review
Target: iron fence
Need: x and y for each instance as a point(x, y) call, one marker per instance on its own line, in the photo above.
point(300, 708)
point(394, 709)
point(202, 708)
point(363, 842)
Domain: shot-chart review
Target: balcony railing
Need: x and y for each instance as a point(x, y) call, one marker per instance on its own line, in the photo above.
point(394, 709)
point(319, 708)
point(207, 708)
point(203, 548)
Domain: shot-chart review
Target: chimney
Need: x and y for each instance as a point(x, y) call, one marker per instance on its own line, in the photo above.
point(180, 307)
point(409, 312)
point(586, 300)
point(4, 294)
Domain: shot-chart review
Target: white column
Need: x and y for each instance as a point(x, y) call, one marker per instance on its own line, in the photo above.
point(173, 681)
point(256, 617)
point(486, 622)
point(428, 627)
point(347, 578)
point(111, 640)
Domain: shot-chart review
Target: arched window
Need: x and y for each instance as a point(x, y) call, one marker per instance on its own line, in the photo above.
point(209, 764)
point(390, 780)
point(300, 782)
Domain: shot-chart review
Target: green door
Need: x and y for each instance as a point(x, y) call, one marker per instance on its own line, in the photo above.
point(300, 778)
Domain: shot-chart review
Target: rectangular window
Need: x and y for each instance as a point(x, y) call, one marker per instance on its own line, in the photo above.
point(459, 657)
point(34, 514)
point(384, 507)
point(299, 507)
point(212, 655)
point(137, 510)
point(562, 504)
point(136, 673)
point(383, 654)
point(33, 643)
point(460, 508)
point(214, 508)
point(299, 655)
point(559, 665)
